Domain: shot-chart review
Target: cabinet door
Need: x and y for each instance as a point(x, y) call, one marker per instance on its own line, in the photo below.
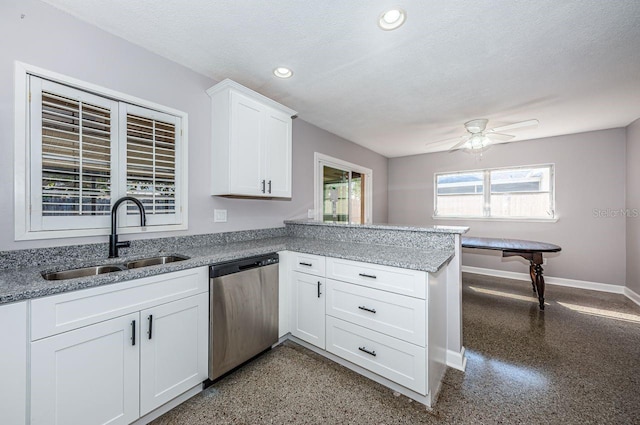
point(13, 367)
point(88, 376)
point(308, 308)
point(277, 153)
point(246, 157)
point(173, 350)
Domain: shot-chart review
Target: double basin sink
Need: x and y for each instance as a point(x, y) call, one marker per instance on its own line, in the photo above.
point(110, 268)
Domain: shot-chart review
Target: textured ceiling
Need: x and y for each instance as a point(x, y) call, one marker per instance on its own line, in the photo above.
point(572, 64)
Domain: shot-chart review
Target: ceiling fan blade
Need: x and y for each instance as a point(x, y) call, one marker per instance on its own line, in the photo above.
point(459, 144)
point(521, 124)
point(499, 136)
point(453, 139)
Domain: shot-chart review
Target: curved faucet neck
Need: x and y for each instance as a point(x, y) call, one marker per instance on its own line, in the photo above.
point(114, 209)
point(113, 238)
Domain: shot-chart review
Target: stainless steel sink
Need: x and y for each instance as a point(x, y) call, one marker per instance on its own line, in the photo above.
point(154, 261)
point(110, 268)
point(83, 272)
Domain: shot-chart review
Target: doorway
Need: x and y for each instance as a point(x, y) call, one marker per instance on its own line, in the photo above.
point(343, 191)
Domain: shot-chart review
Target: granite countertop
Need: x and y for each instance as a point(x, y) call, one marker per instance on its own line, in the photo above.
point(396, 227)
point(27, 283)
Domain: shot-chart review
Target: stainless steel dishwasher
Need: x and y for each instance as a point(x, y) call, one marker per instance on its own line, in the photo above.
point(244, 311)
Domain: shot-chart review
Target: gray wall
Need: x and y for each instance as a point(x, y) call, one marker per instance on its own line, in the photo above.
point(590, 174)
point(633, 204)
point(51, 39)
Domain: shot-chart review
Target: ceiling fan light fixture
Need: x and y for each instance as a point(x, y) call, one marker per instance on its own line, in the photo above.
point(476, 126)
point(477, 142)
point(392, 19)
point(282, 72)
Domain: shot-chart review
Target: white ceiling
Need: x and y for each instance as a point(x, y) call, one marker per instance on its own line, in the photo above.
point(572, 64)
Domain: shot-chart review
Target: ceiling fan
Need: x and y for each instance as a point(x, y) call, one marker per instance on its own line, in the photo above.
point(479, 138)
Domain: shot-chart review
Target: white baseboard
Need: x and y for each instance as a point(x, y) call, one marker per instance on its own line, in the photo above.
point(457, 360)
point(550, 280)
point(633, 296)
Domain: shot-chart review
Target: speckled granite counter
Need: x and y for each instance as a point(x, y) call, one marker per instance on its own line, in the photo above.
point(21, 283)
point(394, 227)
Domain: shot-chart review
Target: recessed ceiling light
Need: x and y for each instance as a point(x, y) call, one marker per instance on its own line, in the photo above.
point(392, 19)
point(282, 72)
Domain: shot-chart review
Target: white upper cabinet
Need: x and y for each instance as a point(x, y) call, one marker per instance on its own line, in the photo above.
point(251, 143)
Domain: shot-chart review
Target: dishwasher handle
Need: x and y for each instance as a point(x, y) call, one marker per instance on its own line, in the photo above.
point(250, 266)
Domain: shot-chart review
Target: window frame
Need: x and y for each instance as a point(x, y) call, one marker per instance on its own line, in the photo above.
point(487, 195)
point(320, 160)
point(23, 164)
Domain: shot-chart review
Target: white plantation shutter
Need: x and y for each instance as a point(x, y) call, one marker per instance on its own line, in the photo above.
point(86, 150)
point(152, 155)
point(72, 137)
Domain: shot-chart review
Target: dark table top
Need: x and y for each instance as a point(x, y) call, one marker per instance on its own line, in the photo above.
point(514, 245)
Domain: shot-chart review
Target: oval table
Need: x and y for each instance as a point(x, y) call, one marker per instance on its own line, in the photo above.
point(529, 250)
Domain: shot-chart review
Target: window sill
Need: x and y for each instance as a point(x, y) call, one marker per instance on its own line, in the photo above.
point(62, 234)
point(517, 220)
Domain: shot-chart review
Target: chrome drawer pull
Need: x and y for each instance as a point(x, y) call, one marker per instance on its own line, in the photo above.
point(367, 275)
point(370, 310)
point(371, 353)
point(306, 264)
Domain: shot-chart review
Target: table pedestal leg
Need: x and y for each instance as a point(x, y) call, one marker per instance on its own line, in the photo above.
point(535, 271)
point(540, 285)
point(532, 273)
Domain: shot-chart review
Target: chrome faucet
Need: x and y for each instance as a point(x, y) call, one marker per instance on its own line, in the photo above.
point(113, 238)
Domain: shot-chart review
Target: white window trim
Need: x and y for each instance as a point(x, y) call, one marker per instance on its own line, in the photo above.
point(553, 219)
point(319, 161)
point(22, 158)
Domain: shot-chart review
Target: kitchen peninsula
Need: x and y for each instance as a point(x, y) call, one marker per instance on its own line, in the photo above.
point(403, 282)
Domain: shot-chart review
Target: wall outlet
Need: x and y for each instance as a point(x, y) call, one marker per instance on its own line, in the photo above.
point(219, 216)
point(311, 214)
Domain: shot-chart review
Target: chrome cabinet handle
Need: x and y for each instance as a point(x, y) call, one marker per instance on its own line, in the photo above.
point(269, 186)
point(368, 275)
point(263, 186)
point(371, 353)
point(370, 310)
point(319, 293)
point(133, 332)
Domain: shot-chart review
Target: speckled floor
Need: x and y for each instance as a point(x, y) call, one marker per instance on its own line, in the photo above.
point(578, 362)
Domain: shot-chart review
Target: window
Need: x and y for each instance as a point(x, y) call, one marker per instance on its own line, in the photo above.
point(519, 192)
point(343, 191)
point(83, 148)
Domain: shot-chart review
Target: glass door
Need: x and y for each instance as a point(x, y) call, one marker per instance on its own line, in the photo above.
point(343, 199)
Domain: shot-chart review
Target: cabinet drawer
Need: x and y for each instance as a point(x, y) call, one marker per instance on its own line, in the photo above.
point(392, 279)
point(389, 357)
point(309, 263)
point(71, 310)
point(395, 315)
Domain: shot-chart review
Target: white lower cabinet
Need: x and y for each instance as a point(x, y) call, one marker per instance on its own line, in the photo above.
point(395, 315)
point(13, 363)
point(396, 360)
point(384, 322)
point(308, 308)
point(173, 350)
point(120, 368)
point(87, 376)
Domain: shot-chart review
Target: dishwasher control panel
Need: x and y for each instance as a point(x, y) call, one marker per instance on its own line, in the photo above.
point(240, 265)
